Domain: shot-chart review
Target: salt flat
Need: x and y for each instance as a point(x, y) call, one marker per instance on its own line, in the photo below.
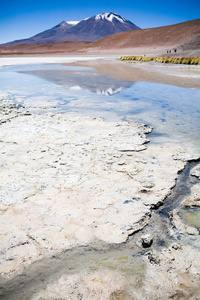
point(70, 181)
point(24, 60)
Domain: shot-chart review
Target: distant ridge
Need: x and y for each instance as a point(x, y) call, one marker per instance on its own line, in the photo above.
point(183, 36)
point(87, 30)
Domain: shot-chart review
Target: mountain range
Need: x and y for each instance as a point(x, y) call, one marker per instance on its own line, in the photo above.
point(87, 30)
point(113, 34)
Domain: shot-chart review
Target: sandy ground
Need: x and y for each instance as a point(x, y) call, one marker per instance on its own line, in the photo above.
point(75, 188)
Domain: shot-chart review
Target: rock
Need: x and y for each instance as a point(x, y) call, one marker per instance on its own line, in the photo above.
point(194, 198)
point(152, 201)
point(187, 155)
point(145, 241)
point(196, 171)
point(176, 246)
point(153, 258)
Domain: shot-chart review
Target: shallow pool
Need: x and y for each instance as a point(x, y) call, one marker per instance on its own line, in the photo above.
point(173, 111)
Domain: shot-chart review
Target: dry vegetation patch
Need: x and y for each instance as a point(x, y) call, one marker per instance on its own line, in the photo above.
point(172, 60)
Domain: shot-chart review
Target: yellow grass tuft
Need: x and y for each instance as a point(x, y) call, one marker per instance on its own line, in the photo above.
point(165, 60)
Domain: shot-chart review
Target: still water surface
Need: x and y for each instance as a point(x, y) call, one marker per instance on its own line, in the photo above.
point(173, 111)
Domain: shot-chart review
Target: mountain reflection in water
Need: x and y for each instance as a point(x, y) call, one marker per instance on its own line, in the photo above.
point(87, 80)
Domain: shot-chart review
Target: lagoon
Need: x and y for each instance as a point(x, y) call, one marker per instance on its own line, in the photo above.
point(173, 111)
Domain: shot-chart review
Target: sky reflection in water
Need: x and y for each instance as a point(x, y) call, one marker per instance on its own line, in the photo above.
point(173, 111)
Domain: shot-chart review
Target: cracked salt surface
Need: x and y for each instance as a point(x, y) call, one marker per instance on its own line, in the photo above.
point(75, 188)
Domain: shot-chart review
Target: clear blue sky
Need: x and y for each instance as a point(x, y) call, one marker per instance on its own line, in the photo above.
point(24, 18)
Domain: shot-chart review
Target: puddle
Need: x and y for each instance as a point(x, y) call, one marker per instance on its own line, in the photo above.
point(191, 216)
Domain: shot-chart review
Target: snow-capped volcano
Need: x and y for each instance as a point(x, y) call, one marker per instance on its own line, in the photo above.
point(87, 30)
point(96, 27)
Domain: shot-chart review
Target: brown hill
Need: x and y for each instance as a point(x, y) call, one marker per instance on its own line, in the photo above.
point(180, 36)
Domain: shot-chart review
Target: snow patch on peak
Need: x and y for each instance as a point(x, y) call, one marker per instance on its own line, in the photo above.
point(110, 17)
point(65, 23)
point(73, 22)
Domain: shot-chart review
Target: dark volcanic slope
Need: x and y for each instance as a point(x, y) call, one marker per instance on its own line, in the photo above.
point(48, 35)
point(182, 34)
point(99, 26)
point(87, 30)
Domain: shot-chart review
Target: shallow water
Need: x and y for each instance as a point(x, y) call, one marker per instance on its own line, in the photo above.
point(173, 111)
point(192, 216)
